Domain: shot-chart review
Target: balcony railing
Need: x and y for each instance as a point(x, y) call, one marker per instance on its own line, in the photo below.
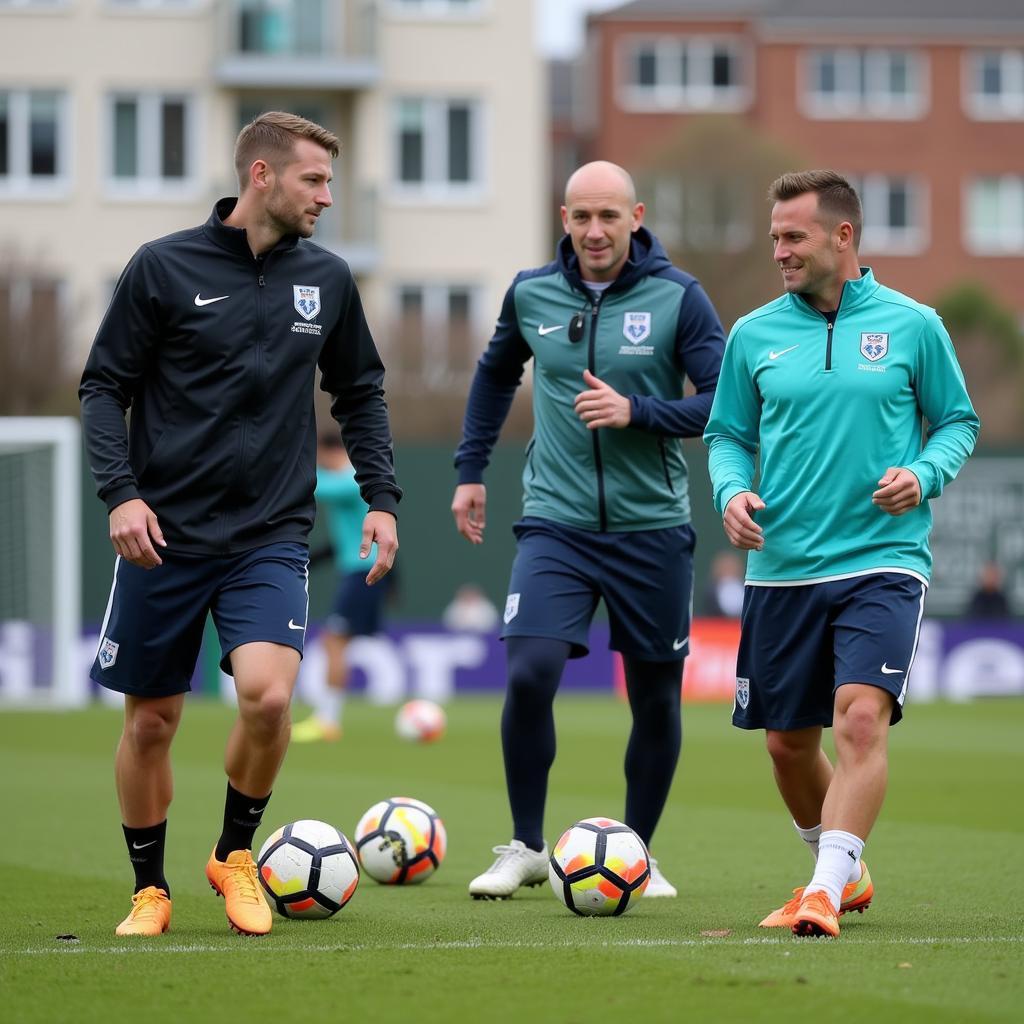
point(328, 44)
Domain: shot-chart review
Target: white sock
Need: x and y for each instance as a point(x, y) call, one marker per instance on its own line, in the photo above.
point(328, 707)
point(855, 872)
point(810, 836)
point(835, 851)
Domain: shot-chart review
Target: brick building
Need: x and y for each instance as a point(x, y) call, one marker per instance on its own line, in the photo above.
point(920, 103)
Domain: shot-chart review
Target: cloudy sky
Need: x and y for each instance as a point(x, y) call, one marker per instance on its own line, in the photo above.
point(560, 23)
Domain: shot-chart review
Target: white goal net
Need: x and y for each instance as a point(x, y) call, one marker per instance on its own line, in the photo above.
point(40, 562)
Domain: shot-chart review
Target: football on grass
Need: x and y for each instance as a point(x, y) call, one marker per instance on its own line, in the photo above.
point(421, 720)
point(400, 840)
point(599, 867)
point(308, 869)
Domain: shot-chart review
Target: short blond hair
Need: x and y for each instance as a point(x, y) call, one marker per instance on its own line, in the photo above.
point(272, 137)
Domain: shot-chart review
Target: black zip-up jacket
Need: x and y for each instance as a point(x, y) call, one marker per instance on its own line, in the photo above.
point(215, 352)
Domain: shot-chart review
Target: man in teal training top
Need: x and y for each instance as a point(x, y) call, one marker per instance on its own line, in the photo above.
point(358, 608)
point(829, 385)
point(612, 329)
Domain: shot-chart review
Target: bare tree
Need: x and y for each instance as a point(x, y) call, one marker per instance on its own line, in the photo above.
point(706, 190)
point(35, 377)
point(990, 346)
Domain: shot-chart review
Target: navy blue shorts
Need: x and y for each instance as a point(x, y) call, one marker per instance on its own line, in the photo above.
point(358, 609)
point(154, 624)
point(645, 578)
point(798, 644)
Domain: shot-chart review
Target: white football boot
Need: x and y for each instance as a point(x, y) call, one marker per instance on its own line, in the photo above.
point(516, 865)
point(659, 885)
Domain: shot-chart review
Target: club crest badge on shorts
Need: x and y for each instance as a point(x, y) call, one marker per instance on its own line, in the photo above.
point(742, 692)
point(107, 654)
point(511, 607)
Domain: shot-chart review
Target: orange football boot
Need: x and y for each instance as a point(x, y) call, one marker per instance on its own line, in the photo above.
point(857, 897)
point(236, 880)
point(151, 913)
point(816, 917)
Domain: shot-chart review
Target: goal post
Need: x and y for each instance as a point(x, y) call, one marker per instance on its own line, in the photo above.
point(40, 562)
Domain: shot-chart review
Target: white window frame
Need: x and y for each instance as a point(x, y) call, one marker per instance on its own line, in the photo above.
point(434, 188)
point(153, 6)
point(149, 183)
point(1010, 239)
point(669, 92)
point(35, 6)
point(855, 99)
point(18, 182)
point(432, 10)
point(437, 370)
point(675, 199)
point(1009, 104)
point(880, 238)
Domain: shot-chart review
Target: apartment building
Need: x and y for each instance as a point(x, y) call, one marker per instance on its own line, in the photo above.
point(118, 117)
point(920, 103)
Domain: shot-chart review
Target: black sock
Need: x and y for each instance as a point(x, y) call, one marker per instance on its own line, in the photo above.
point(528, 730)
point(242, 816)
point(654, 743)
point(146, 850)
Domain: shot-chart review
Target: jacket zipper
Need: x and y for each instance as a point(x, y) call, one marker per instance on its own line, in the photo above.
point(830, 322)
point(602, 511)
point(243, 431)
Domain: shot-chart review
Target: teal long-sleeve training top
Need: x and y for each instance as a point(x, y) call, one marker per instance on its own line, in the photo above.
point(828, 407)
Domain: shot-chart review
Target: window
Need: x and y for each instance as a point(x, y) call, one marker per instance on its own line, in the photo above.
point(151, 144)
point(894, 214)
point(682, 73)
point(995, 215)
point(152, 5)
point(436, 8)
point(438, 333)
point(704, 214)
point(864, 82)
point(283, 27)
point(437, 144)
point(995, 84)
point(34, 143)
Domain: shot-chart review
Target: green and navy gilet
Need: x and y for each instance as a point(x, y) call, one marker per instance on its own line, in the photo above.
point(829, 406)
point(651, 327)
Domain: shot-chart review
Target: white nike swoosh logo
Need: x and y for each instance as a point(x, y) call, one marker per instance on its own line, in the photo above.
point(142, 846)
point(678, 645)
point(542, 330)
point(257, 810)
point(291, 625)
point(890, 671)
point(775, 355)
point(206, 302)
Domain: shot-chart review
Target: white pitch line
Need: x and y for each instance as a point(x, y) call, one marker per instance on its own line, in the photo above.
point(271, 946)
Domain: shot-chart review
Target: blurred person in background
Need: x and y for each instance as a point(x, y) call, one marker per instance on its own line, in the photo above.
point(828, 386)
point(723, 597)
point(989, 600)
point(358, 607)
point(212, 340)
point(612, 329)
point(470, 611)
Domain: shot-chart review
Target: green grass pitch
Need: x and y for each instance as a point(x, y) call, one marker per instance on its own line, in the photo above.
point(942, 943)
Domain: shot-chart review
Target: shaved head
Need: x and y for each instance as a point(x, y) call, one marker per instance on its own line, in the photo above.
point(601, 176)
point(600, 215)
